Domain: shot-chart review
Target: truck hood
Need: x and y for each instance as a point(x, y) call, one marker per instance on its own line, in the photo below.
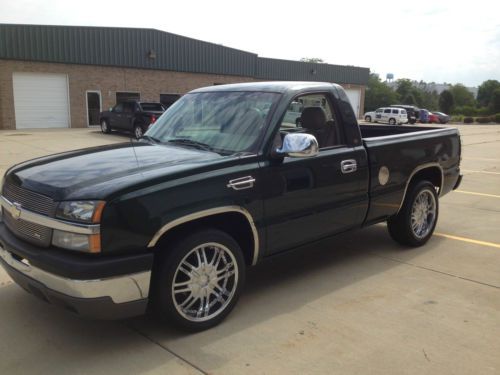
point(93, 173)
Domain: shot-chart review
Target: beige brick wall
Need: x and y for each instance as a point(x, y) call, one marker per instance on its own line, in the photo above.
point(108, 80)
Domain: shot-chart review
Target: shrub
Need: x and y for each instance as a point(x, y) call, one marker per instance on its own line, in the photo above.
point(483, 120)
point(468, 120)
point(497, 118)
point(483, 112)
point(457, 118)
point(468, 110)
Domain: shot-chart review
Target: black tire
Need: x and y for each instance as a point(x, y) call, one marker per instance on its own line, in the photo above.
point(368, 119)
point(400, 225)
point(138, 132)
point(392, 121)
point(105, 127)
point(168, 304)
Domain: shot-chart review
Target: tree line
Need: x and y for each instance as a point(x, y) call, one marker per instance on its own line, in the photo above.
point(456, 100)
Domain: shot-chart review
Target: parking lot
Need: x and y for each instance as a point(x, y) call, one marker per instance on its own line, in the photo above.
point(356, 304)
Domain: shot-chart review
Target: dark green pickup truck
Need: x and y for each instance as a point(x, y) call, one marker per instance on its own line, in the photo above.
point(224, 178)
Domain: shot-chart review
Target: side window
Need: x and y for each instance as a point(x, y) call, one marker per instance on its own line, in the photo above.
point(387, 111)
point(118, 108)
point(395, 111)
point(378, 111)
point(128, 107)
point(312, 114)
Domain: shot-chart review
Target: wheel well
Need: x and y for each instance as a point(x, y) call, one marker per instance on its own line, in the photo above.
point(233, 223)
point(431, 174)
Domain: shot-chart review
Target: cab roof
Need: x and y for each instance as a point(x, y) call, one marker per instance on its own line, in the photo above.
point(273, 86)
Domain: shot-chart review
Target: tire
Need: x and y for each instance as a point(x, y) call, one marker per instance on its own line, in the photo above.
point(138, 132)
point(105, 127)
point(196, 273)
point(368, 119)
point(421, 207)
point(392, 121)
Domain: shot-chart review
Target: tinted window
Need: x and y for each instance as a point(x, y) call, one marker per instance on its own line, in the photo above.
point(128, 107)
point(118, 107)
point(396, 111)
point(378, 111)
point(387, 111)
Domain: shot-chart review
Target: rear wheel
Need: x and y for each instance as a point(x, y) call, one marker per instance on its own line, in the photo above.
point(415, 222)
point(368, 119)
point(138, 132)
point(105, 127)
point(392, 121)
point(198, 284)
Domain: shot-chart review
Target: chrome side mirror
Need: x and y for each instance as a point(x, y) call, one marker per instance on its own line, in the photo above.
point(299, 145)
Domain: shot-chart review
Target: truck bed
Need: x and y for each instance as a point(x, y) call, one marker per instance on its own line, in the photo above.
point(402, 150)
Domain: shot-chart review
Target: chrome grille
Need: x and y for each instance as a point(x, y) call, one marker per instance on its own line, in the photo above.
point(29, 200)
point(30, 232)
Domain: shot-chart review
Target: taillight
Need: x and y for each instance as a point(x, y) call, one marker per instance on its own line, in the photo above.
point(153, 119)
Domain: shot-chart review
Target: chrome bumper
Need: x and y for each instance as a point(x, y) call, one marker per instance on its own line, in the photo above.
point(120, 289)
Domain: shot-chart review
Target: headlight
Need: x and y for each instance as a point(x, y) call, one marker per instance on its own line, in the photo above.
point(88, 212)
point(90, 243)
point(81, 211)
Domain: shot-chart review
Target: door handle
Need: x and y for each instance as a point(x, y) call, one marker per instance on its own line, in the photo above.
point(241, 183)
point(348, 166)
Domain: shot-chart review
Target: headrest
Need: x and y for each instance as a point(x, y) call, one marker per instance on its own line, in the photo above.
point(313, 118)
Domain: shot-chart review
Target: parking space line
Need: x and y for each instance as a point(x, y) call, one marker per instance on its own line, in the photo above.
point(480, 194)
point(473, 171)
point(469, 240)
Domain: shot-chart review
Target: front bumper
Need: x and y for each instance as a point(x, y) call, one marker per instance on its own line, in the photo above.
point(110, 296)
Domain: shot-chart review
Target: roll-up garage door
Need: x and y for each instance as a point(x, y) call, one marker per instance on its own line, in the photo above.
point(41, 100)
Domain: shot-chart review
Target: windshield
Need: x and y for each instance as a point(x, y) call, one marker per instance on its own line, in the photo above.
point(152, 107)
point(224, 122)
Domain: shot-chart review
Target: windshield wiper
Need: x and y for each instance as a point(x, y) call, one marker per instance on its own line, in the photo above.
point(190, 142)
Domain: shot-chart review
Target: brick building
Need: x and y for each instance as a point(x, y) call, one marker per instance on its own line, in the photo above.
point(62, 76)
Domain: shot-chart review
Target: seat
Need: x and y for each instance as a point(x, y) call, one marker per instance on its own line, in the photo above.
point(313, 119)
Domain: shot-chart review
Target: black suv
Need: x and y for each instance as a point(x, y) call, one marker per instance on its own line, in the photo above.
point(412, 111)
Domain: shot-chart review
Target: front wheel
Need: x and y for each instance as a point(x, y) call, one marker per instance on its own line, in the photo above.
point(368, 119)
point(392, 121)
point(415, 222)
point(198, 283)
point(105, 127)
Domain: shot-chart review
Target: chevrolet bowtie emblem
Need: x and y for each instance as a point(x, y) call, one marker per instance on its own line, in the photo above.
point(16, 210)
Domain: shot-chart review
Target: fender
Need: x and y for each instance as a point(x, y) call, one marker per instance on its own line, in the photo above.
point(210, 212)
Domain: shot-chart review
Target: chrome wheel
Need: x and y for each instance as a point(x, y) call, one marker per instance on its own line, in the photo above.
point(138, 132)
point(104, 126)
point(423, 214)
point(205, 282)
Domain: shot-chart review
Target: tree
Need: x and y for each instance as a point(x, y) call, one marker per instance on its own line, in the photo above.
point(462, 96)
point(404, 88)
point(378, 94)
point(446, 101)
point(316, 60)
point(486, 90)
point(495, 101)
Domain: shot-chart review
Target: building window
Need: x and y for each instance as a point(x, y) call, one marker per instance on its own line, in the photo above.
point(168, 99)
point(124, 96)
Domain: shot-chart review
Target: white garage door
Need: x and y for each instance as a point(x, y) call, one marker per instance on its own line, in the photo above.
point(41, 100)
point(354, 97)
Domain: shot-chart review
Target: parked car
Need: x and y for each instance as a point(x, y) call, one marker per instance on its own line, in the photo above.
point(131, 116)
point(372, 115)
point(219, 183)
point(424, 116)
point(442, 117)
point(412, 112)
point(388, 115)
point(433, 118)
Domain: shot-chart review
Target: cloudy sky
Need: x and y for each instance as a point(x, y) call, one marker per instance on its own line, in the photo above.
point(430, 40)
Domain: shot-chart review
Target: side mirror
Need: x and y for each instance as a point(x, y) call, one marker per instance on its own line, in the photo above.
point(299, 145)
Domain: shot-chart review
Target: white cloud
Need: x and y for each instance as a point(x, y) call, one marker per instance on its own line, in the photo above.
point(431, 40)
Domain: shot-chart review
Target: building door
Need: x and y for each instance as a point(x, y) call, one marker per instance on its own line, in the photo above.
point(93, 107)
point(41, 100)
point(354, 96)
